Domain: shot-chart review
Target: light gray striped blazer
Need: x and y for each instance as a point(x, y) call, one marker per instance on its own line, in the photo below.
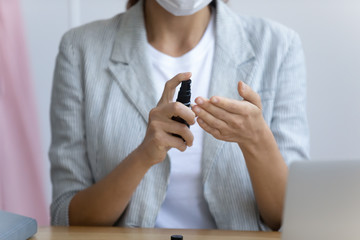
point(103, 92)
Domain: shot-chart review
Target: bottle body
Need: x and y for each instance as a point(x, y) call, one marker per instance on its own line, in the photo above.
point(184, 96)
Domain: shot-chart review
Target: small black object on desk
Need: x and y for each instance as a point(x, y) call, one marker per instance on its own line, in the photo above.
point(176, 237)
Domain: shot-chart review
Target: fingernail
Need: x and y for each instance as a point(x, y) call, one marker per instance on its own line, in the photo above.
point(199, 120)
point(214, 100)
point(196, 109)
point(199, 101)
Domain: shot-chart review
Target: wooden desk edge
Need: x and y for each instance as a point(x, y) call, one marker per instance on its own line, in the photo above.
point(146, 233)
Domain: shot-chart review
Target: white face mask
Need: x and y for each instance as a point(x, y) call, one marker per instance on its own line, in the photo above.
point(183, 7)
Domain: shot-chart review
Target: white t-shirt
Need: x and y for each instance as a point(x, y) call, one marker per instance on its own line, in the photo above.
point(184, 205)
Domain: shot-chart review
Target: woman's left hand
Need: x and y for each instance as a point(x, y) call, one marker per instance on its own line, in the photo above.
point(242, 122)
point(233, 120)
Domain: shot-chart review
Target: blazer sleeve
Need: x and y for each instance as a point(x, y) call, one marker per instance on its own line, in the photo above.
point(70, 168)
point(289, 122)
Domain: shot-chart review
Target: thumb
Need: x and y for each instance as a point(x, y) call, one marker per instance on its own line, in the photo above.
point(249, 95)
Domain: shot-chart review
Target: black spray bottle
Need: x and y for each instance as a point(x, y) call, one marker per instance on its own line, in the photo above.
point(184, 96)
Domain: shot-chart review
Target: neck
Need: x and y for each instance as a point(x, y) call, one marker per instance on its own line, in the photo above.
point(174, 35)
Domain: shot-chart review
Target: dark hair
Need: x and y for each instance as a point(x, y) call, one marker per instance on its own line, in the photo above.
point(131, 3)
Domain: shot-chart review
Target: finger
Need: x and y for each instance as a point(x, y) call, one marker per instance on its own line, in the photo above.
point(180, 145)
point(214, 110)
point(213, 131)
point(229, 105)
point(179, 110)
point(209, 119)
point(170, 86)
point(249, 95)
point(173, 127)
point(173, 142)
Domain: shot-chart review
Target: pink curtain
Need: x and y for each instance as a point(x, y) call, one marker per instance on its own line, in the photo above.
point(21, 159)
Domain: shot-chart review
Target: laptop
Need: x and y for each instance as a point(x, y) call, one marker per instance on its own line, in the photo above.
point(322, 201)
point(16, 227)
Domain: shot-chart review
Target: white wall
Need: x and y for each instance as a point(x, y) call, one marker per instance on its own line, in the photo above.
point(331, 38)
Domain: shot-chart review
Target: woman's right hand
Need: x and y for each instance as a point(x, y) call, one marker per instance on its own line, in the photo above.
point(159, 139)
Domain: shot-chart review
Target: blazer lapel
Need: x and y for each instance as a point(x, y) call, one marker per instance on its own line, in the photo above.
point(234, 61)
point(130, 64)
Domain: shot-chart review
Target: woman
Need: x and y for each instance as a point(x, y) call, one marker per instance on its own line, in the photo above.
point(114, 158)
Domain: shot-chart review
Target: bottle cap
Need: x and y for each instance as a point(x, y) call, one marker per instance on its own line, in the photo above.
point(176, 237)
